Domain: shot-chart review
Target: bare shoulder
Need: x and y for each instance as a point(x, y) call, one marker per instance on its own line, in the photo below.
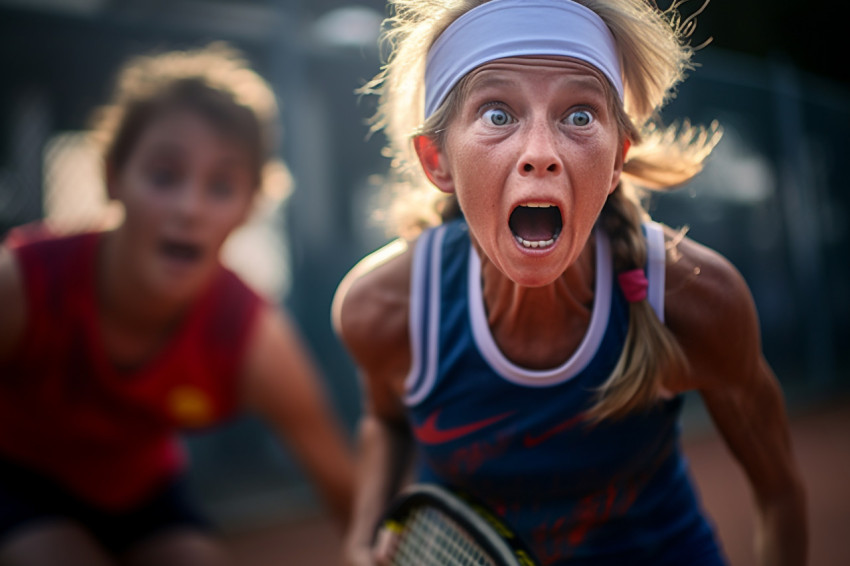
point(371, 302)
point(12, 297)
point(710, 310)
point(370, 315)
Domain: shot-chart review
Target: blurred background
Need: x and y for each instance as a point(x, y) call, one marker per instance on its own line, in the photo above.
point(773, 199)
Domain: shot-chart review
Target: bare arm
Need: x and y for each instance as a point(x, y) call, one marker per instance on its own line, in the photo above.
point(752, 421)
point(281, 384)
point(370, 316)
point(712, 313)
point(384, 453)
point(12, 298)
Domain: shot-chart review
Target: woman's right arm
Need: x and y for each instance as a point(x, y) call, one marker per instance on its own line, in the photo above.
point(13, 303)
point(384, 454)
point(370, 315)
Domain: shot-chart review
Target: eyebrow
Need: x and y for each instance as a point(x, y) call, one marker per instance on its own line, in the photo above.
point(165, 149)
point(488, 79)
point(495, 78)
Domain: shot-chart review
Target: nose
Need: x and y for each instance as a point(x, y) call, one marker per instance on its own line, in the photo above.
point(540, 151)
point(190, 200)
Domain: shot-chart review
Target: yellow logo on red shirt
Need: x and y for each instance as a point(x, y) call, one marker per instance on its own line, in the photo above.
point(190, 406)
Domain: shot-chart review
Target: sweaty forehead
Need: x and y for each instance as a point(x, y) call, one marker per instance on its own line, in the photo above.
point(511, 28)
point(514, 70)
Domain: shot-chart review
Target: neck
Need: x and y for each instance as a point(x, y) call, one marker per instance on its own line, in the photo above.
point(540, 327)
point(135, 321)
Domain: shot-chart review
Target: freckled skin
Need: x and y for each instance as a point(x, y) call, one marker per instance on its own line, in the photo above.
point(531, 130)
point(539, 130)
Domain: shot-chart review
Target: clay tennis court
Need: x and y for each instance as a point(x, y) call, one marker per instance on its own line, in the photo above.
point(821, 438)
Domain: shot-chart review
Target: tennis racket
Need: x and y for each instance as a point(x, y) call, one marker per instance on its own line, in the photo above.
point(433, 526)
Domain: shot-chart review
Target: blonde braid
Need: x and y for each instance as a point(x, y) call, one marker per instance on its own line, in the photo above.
point(650, 351)
point(653, 45)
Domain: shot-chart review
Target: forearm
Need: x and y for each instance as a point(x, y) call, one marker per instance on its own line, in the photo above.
point(782, 531)
point(384, 457)
point(335, 484)
point(749, 411)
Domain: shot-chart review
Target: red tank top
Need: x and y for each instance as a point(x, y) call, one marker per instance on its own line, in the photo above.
point(109, 435)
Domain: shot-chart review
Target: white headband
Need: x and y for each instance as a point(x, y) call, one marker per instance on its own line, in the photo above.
point(510, 28)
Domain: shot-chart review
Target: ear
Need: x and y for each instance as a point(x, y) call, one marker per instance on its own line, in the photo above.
point(110, 176)
point(433, 162)
point(618, 165)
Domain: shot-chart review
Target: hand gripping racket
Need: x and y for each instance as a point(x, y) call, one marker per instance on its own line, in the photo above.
point(433, 526)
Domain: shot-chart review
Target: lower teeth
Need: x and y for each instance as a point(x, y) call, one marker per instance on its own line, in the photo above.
point(537, 244)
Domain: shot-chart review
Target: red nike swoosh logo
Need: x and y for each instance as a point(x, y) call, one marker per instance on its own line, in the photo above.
point(530, 441)
point(428, 433)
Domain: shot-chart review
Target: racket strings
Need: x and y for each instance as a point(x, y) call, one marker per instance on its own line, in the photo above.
point(430, 538)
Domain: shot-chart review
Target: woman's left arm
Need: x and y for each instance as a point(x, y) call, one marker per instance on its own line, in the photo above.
point(282, 384)
point(712, 313)
point(751, 418)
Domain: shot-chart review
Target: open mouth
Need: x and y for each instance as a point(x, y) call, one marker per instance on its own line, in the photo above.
point(536, 225)
point(180, 251)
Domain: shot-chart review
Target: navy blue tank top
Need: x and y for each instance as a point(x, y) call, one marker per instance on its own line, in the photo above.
point(616, 492)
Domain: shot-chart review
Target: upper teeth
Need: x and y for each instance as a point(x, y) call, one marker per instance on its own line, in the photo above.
point(536, 205)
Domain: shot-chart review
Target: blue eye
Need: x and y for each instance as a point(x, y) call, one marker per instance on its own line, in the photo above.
point(580, 118)
point(497, 116)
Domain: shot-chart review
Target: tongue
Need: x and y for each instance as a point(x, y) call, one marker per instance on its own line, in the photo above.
point(535, 224)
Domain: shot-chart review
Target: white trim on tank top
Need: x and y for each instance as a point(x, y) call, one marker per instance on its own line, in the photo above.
point(581, 357)
point(424, 363)
point(656, 269)
point(483, 337)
